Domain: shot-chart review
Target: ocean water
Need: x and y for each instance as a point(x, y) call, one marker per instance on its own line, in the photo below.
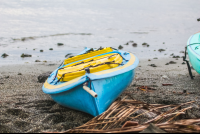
point(28, 26)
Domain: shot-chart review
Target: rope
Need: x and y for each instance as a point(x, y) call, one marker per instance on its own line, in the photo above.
point(54, 77)
point(90, 82)
point(197, 47)
point(59, 79)
point(61, 64)
point(184, 59)
point(91, 60)
point(84, 69)
point(112, 62)
point(96, 66)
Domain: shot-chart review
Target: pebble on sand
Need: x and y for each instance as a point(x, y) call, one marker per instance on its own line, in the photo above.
point(67, 55)
point(153, 65)
point(43, 77)
point(144, 44)
point(120, 47)
point(160, 50)
point(4, 55)
point(183, 63)
point(172, 62)
point(60, 44)
point(176, 56)
point(26, 55)
point(134, 44)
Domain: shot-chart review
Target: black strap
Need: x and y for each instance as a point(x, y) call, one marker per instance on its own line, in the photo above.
point(87, 68)
point(59, 79)
point(90, 82)
point(54, 77)
point(188, 65)
point(113, 48)
point(113, 62)
point(61, 64)
point(197, 47)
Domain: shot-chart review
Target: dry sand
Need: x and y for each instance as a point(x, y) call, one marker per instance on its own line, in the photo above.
point(25, 108)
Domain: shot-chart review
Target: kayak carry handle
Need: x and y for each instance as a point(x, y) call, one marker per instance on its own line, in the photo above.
point(90, 91)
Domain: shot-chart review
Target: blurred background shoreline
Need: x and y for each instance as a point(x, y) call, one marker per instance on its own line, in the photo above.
point(36, 27)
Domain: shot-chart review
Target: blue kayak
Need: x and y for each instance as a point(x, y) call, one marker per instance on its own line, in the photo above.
point(104, 86)
point(193, 49)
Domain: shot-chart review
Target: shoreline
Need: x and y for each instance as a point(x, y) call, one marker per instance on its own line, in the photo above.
point(25, 108)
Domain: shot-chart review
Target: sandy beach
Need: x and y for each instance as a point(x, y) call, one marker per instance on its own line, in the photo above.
point(36, 36)
point(25, 108)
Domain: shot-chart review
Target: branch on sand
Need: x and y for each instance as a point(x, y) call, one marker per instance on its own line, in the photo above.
point(129, 115)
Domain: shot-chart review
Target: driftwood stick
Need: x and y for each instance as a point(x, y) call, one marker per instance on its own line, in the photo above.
point(158, 120)
point(110, 109)
point(139, 115)
point(121, 114)
point(114, 111)
point(179, 113)
point(187, 122)
point(124, 98)
point(161, 115)
point(121, 111)
point(163, 107)
point(132, 130)
point(167, 115)
point(93, 124)
point(122, 118)
point(105, 131)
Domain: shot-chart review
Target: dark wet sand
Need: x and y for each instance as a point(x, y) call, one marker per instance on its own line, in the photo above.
point(25, 108)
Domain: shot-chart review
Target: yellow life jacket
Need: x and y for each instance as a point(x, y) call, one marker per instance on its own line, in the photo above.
point(87, 55)
point(95, 64)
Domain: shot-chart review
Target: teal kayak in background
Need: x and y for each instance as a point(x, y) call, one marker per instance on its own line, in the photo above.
point(193, 49)
point(93, 93)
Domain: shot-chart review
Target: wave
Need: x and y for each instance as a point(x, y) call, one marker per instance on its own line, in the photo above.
point(35, 37)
